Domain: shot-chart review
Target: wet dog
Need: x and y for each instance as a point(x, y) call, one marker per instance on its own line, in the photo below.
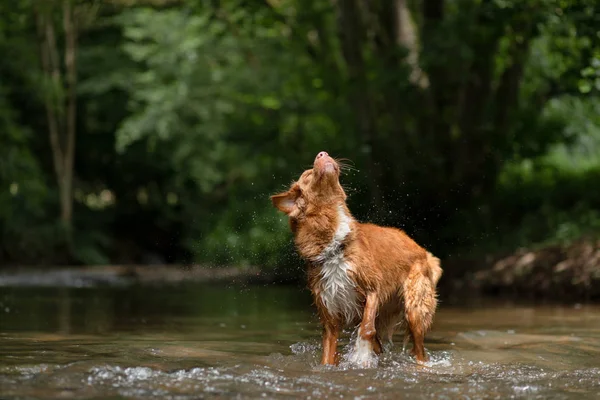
point(373, 277)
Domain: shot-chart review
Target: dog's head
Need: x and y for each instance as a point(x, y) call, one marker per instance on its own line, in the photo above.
point(317, 187)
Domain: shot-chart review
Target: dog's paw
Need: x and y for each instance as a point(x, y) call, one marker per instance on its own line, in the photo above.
point(362, 354)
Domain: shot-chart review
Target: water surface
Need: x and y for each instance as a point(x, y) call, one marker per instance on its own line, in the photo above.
point(224, 341)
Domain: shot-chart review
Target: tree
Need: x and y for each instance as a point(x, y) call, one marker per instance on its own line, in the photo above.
point(59, 74)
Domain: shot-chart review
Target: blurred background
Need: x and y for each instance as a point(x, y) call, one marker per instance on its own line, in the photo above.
point(153, 132)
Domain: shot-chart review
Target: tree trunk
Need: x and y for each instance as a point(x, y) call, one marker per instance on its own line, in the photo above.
point(66, 198)
point(50, 68)
point(60, 100)
point(407, 36)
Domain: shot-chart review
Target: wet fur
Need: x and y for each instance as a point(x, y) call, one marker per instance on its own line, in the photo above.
point(359, 274)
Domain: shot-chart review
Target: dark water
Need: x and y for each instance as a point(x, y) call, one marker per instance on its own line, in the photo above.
point(214, 341)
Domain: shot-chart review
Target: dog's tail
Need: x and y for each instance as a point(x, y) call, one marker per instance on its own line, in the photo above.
point(435, 270)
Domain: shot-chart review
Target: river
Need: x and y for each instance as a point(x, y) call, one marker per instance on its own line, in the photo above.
point(242, 341)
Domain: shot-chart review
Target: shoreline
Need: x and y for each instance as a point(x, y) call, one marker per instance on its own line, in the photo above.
point(569, 272)
point(122, 275)
point(562, 272)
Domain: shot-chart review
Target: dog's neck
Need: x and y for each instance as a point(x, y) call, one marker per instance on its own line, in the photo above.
point(323, 235)
point(336, 245)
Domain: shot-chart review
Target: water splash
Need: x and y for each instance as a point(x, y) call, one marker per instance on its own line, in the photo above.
point(358, 354)
point(447, 374)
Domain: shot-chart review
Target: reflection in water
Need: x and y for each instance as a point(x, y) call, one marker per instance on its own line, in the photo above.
point(250, 342)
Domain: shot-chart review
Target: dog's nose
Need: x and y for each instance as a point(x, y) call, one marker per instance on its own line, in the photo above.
point(322, 154)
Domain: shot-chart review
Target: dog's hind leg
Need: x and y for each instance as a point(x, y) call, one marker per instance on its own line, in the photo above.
point(390, 316)
point(420, 303)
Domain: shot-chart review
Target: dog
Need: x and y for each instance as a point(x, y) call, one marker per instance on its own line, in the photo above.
point(360, 274)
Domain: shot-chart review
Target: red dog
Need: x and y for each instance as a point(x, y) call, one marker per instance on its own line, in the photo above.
point(358, 273)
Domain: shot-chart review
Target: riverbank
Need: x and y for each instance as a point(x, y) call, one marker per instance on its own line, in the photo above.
point(555, 272)
point(115, 275)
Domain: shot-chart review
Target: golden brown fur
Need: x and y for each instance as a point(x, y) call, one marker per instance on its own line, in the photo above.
point(393, 278)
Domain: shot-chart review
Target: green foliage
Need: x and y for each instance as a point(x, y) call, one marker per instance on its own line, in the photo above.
point(214, 94)
point(551, 198)
point(25, 233)
point(192, 113)
point(23, 194)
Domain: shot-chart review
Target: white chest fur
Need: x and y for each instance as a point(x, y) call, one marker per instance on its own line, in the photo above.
point(338, 292)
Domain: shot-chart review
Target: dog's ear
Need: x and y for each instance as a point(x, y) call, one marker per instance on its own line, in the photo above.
point(286, 202)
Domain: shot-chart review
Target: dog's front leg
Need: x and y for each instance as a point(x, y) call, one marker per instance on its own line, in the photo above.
point(331, 332)
point(367, 344)
point(367, 329)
